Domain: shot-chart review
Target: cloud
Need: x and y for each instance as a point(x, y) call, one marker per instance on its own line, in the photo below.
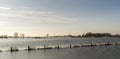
point(6, 1)
point(38, 16)
point(5, 8)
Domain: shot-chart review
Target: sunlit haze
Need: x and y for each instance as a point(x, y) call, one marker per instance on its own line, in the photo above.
point(59, 17)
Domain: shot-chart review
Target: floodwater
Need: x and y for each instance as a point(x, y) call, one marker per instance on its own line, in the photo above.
point(96, 52)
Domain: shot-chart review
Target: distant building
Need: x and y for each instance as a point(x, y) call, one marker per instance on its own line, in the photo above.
point(16, 35)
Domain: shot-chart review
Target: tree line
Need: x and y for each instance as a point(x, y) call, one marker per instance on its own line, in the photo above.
point(90, 34)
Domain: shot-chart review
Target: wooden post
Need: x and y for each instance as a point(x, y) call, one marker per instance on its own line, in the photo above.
point(70, 46)
point(44, 46)
point(11, 49)
point(29, 48)
point(58, 46)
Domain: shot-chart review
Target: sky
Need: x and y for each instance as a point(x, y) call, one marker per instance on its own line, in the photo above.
point(59, 17)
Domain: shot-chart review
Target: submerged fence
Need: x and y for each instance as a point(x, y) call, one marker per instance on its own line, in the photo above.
point(45, 47)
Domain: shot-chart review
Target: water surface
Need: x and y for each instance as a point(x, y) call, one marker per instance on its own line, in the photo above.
point(97, 52)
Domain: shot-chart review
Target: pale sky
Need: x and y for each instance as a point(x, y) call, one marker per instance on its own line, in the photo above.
point(59, 17)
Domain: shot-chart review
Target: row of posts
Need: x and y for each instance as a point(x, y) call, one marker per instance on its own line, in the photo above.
point(58, 46)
